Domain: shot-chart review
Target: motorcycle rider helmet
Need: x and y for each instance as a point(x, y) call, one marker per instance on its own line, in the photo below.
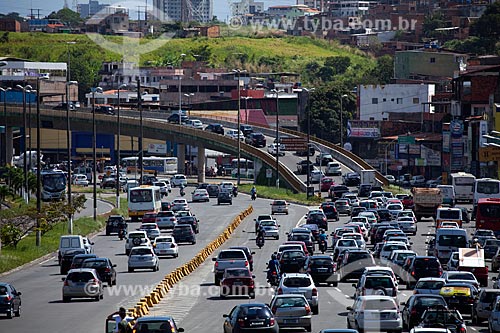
point(273, 256)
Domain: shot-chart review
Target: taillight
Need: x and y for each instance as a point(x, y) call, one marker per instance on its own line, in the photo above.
point(413, 312)
point(8, 298)
point(107, 270)
point(66, 284)
point(246, 262)
point(413, 273)
point(315, 292)
point(462, 330)
point(280, 291)
point(271, 322)
point(216, 264)
point(73, 266)
point(241, 322)
point(273, 309)
point(308, 308)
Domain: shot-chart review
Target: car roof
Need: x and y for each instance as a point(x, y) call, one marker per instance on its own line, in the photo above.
point(436, 279)
point(154, 318)
point(376, 297)
point(81, 270)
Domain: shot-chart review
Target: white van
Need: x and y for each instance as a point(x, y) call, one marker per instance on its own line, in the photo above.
point(449, 240)
point(448, 214)
point(72, 242)
point(333, 169)
point(448, 194)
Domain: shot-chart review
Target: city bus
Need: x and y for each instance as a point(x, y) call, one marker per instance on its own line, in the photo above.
point(53, 185)
point(463, 183)
point(152, 164)
point(143, 199)
point(485, 188)
point(246, 168)
point(488, 215)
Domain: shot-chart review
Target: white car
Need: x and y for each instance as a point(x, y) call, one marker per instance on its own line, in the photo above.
point(143, 257)
point(178, 180)
point(388, 247)
point(271, 149)
point(194, 123)
point(233, 134)
point(151, 230)
point(166, 246)
point(298, 283)
point(200, 195)
point(166, 219)
point(271, 228)
point(179, 204)
point(407, 225)
point(80, 180)
point(360, 241)
point(333, 169)
point(167, 183)
point(316, 176)
point(163, 187)
point(136, 238)
point(376, 313)
point(344, 244)
point(394, 209)
point(226, 187)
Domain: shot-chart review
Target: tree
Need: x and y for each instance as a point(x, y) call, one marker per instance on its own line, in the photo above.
point(431, 23)
point(488, 25)
point(5, 191)
point(67, 16)
point(338, 64)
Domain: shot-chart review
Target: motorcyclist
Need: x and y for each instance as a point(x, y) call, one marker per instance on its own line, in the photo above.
point(235, 191)
point(182, 190)
point(322, 238)
point(253, 192)
point(476, 244)
point(260, 235)
point(273, 266)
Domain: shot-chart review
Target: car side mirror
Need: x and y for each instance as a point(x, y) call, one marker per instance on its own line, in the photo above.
point(402, 303)
point(214, 259)
point(494, 278)
point(349, 308)
point(253, 276)
point(253, 253)
point(63, 279)
point(92, 243)
point(114, 265)
point(19, 293)
point(180, 329)
point(225, 316)
point(354, 285)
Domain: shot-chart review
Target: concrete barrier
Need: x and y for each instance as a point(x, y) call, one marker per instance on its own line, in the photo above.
point(143, 306)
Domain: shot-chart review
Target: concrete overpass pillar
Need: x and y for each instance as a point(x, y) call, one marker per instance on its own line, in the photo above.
point(201, 164)
point(181, 157)
point(9, 141)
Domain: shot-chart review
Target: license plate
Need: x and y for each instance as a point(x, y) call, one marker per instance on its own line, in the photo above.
point(163, 251)
point(237, 283)
point(322, 270)
point(290, 321)
point(141, 259)
point(256, 323)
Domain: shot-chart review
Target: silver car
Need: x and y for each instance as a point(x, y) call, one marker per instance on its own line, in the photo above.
point(379, 313)
point(429, 285)
point(299, 283)
point(292, 311)
point(481, 310)
point(407, 225)
point(166, 219)
point(494, 318)
point(143, 257)
point(82, 283)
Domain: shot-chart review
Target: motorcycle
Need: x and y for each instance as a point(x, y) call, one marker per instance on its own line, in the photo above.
point(322, 246)
point(273, 279)
point(235, 191)
point(254, 196)
point(259, 241)
point(182, 192)
point(121, 234)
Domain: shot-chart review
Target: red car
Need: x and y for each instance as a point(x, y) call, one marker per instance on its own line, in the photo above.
point(149, 217)
point(407, 202)
point(304, 247)
point(326, 183)
point(237, 281)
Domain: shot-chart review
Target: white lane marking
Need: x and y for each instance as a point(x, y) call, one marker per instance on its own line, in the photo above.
point(347, 296)
point(338, 289)
point(404, 294)
point(472, 328)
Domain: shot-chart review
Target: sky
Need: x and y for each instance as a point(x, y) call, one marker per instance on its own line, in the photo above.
point(221, 7)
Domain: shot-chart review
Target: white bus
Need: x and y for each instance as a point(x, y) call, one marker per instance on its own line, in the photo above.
point(485, 188)
point(463, 183)
point(246, 168)
point(152, 164)
point(143, 199)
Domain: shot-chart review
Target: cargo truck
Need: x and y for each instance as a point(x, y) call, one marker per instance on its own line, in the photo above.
point(369, 177)
point(426, 201)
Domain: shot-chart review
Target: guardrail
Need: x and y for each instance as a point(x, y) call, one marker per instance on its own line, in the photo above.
point(144, 305)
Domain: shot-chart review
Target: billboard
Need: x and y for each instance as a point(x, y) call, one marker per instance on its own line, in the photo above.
point(363, 129)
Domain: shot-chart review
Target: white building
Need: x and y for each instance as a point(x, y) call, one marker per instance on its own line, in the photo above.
point(245, 7)
point(184, 11)
point(346, 8)
point(377, 101)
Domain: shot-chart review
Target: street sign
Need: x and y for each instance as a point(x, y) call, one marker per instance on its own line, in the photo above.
point(489, 154)
point(406, 139)
point(294, 144)
point(269, 173)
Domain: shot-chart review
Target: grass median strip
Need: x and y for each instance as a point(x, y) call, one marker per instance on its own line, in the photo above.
point(280, 193)
point(26, 251)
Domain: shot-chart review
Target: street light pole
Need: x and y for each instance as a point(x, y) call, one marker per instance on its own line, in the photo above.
point(68, 161)
point(308, 141)
point(238, 126)
point(180, 89)
point(5, 152)
point(277, 138)
point(118, 149)
point(342, 122)
point(38, 166)
point(25, 160)
point(141, 129)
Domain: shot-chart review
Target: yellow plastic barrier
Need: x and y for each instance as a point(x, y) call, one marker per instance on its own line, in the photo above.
point(169, 280)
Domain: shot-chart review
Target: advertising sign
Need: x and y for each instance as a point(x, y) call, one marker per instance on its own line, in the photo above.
point(363, 129)
point(456, 128)
point(446, 142)
point(432, 157)
point(157, 148)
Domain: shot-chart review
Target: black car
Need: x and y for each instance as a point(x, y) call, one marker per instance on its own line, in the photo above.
point(246, 129)
point(166, 206)
point(105, 109)
point(191, 220)
point(292, 261)
point(354, 263)
point(183, 233)
point(213, 191)
point(108, 182)
point(248, 253)
point(149, 180)
point(215, 128)
point(256, 139)
point(225, 197)
point(357, 210)
point(318, 219)
point(364, 190)
point(174, 118)
point(321, 268)
point(10, 300)
point(336, 191)
point(416, 305)
point(422, 266)
point(384, 215)
point(256, 316)
point(80, 258)
point(303, 237)
point(64, 106)
point(115, 223)
point(351, 179)
point(330, 211)
point(302, 167)
point(202, 186)
point(104, 268)
point(67, 259)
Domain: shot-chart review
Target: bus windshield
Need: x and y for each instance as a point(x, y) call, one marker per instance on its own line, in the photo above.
point(141, 195)
point(54, 182)
point(487, 187)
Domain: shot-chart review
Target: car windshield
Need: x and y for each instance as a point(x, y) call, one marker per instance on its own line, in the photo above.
point(80, 276)
point(153, 326)
point(452, 240)
point(147, 227)
point(141, 195)
point(293, 254)
point(136, 235)
point(295, 282)
point(433, 317)
point(164, 240)
point(460, 276)
point(436, 285)
point(140, 252)
point(321, 261)
point(301, 237)
point(165, 214)
point(346, 242)
point(379, 304)
point(426, 263)
point(353, 256)
point(425, 302)
point(254, 312)
point(289, 302)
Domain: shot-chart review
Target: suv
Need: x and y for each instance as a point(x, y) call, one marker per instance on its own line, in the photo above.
point(215, 128)
point(178, 180)
point(115, 223)
point(333, 169)
point(183, 233)
point(300, 283)
point(225, 197)
point(422, 266)
point(174, 118)
point(108, 182)
point(136, 238)
point(82, 283)
point(256, 139)
point(376, 284)
point(336, 191)
point(246, 129)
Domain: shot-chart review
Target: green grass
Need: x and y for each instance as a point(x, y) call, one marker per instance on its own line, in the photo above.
point(27, 251)
point(281, 193)
point(396, 189)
